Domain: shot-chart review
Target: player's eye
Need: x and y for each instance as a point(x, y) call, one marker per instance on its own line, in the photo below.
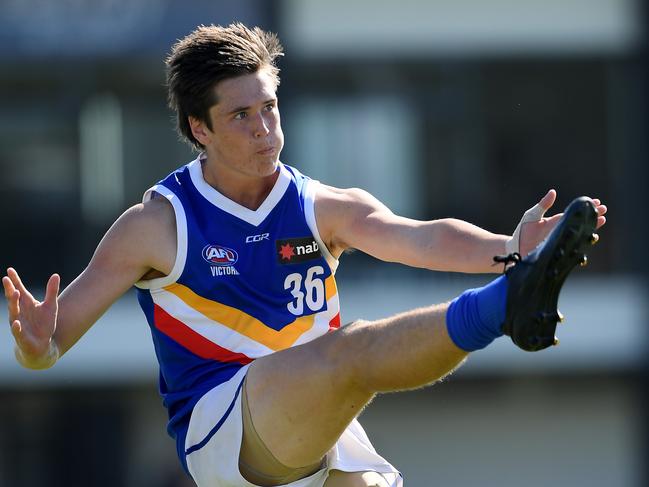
point(269, 107)
point(240, 116)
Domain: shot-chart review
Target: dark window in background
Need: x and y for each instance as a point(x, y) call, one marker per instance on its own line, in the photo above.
point(495, 135)
point(39, 184)
point(45, 230)
point(72, 439)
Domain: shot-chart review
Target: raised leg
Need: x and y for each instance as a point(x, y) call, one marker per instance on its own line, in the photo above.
point(301, 399)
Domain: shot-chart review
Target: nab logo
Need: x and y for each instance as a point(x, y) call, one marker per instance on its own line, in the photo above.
point(296, 250)
point(257, 238)
point(220, 256)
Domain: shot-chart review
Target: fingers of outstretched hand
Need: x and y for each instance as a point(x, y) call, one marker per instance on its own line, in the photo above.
point(601, 211)
point(8, 287)
point(20, 336)
point(548, 200)
point(13, 298)
point(16, 330)
point(537, 212)
point(18, 284)
point(52, 290)
point(13, 305)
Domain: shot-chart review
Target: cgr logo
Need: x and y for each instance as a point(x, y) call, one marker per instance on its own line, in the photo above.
point(220, 256)
point(257, 238)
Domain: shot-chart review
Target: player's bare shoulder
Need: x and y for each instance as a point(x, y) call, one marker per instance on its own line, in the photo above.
point(159, 213)
point(330, 198)
point(157, 226)
point(141, 241)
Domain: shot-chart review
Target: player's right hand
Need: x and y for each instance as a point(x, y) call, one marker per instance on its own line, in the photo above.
point(32, 322)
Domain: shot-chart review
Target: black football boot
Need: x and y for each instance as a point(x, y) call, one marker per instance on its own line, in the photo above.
point(534, 282)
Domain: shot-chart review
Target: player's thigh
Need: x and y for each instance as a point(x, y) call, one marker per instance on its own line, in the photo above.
point(354, 479)
point(301, 400)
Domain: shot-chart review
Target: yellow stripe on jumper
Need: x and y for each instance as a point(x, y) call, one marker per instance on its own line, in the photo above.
point(330, 287)
point(247, 325)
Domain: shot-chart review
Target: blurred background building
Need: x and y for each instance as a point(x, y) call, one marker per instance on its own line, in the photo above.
point(460, 108)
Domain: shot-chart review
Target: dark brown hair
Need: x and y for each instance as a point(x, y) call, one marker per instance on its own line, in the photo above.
point(211, 54)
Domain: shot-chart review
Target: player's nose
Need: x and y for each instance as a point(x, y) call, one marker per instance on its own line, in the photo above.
point(261, 127)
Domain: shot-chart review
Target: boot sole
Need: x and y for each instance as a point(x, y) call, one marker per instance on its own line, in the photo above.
point(532, 313)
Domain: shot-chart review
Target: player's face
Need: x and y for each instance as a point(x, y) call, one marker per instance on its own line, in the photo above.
point(246, 134)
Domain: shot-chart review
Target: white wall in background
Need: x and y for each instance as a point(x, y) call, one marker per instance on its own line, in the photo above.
point(461, 27)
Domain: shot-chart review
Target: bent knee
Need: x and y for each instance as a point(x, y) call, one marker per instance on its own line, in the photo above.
point(338, 478)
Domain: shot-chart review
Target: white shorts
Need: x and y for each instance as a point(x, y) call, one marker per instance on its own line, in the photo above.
point(214, 440)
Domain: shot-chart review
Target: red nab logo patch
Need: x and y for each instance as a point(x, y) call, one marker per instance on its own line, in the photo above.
point(220, 256)
point(296, 250)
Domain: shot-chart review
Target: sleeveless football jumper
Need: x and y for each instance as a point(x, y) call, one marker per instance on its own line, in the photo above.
point(244, 284)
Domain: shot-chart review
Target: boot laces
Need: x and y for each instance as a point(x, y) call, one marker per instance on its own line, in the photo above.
point(513, 258)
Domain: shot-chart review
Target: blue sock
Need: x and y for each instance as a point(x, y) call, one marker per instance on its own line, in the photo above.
point(474, 319)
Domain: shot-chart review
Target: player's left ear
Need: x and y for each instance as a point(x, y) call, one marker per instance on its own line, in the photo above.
point(199, 130)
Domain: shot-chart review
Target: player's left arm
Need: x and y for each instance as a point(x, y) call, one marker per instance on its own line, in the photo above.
point(353, 218)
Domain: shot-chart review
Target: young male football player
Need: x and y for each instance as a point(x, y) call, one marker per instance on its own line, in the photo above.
point(234, 256)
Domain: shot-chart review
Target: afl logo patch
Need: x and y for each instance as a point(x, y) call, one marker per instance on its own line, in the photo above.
point(220, 256)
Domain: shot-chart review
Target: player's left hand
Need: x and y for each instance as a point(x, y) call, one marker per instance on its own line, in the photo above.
point(534, 226)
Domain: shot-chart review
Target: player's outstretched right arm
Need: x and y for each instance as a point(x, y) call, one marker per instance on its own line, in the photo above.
point(141, 241)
